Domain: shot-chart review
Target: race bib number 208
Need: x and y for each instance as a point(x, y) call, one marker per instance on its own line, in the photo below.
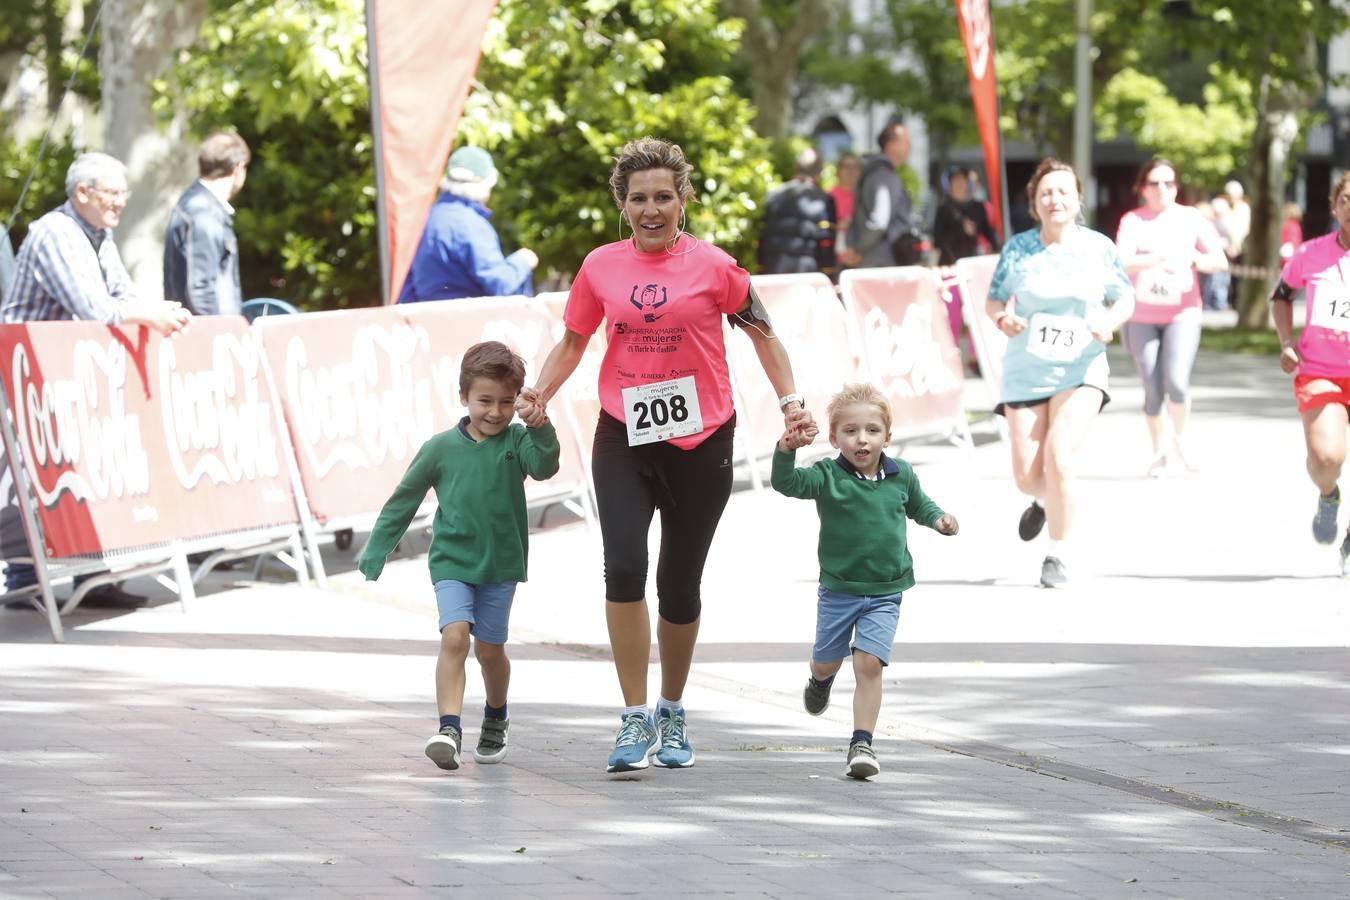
point(662, 410)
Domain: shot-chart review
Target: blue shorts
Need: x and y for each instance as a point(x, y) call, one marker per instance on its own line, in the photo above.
point(486, 607)
point(869, 621)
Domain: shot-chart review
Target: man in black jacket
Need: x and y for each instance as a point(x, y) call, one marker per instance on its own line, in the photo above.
point(799, 223)
point(201, 252)
point(884, 231)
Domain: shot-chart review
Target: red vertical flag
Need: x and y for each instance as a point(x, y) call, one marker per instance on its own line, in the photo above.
point(977, 32)
point(423, 54)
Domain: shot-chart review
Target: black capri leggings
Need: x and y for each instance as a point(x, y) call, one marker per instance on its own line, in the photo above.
point(689, 487)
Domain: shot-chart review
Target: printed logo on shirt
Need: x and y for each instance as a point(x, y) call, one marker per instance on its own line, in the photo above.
point(649, 301)
point(510, 455)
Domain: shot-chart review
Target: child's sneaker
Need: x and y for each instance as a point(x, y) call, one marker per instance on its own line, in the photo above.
point(816, 697)
point(862, 761)
point(675, 751)
point(635, 743)
point(443, 748)
point(491, 741)
point(1053, 573)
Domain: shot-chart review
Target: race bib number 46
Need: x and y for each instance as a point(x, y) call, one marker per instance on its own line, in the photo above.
point(661, 411)
point(1331, 309)
point(1057, 338)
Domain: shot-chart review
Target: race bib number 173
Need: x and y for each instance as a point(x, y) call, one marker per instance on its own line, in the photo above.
point(662, 410)
point(1057, 338)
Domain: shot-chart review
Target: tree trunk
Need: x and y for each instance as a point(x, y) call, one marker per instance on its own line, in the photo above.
point(140, 41)
point(1277, 110)
point(772, 54)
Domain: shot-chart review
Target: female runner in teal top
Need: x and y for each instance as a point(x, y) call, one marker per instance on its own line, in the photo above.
point(1059, 293)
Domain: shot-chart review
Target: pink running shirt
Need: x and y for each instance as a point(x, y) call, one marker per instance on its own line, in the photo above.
point(1322, 269)
point(1165, 291)
point(663, 315)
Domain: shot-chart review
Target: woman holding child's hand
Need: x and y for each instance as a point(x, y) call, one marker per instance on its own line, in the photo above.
point(664, 439)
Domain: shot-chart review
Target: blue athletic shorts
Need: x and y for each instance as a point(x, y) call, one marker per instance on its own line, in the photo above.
point(847, 622)
point(486, 607)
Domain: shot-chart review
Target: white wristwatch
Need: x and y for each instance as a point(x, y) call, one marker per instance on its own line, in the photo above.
point(784, 400)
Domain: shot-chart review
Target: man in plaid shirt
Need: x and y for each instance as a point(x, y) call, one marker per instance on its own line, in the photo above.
point(69, 268)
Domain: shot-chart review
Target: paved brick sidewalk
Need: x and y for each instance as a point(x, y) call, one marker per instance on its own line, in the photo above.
point(1176, 725)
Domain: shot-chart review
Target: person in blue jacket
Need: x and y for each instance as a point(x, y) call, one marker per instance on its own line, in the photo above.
point(460, 254)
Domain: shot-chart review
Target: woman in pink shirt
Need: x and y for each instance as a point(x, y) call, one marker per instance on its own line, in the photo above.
point(1320, 360)
point(664, 440)
point(1163, 244)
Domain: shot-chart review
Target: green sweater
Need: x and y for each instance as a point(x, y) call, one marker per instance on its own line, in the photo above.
point(862, 547)
point(480, 534)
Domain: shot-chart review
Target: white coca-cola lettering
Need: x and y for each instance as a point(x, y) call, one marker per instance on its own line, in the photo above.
point(217, 423)
point(975, 13)
point(362, 412)
point(80, 426)
point(906, 355)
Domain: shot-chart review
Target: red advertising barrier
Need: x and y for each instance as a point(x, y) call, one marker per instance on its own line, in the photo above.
point(901, 324)
point(362, 390)
point(809, 320)
point(976, 273)
point(581, 393)
point(131, 439)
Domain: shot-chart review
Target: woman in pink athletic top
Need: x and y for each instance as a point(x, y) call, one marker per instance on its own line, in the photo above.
point(664, 439)
point(1320, 360)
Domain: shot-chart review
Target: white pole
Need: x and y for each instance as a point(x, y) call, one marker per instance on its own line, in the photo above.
point(1082, 120)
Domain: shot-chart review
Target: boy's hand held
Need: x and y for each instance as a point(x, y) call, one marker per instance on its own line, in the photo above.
point(947, 525)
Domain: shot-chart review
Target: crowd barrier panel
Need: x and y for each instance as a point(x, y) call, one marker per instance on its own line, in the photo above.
point(975, 274)
point(579, 408)
point(128, 451)
point(362, 390)
point(902, 327)
point(818, 337)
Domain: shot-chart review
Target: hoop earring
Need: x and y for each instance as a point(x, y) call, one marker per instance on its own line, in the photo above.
point(684, 221)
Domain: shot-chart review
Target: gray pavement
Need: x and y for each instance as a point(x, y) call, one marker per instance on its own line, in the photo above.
point(1176, 724)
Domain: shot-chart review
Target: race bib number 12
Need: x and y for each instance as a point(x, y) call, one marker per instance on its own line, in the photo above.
point(662, 410)
point(1331, 309)
point(1057, 338)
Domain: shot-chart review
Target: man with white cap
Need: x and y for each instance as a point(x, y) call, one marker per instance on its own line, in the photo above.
point(460, 254)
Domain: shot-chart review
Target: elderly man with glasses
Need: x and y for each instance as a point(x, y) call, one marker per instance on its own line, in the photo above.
point(69, 268)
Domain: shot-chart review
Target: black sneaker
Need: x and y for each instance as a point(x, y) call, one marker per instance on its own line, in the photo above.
point(491, 741)
point(816, 697)
point(443, 748)
point(1052, 573)
point(1032, 521)
point(862, 761)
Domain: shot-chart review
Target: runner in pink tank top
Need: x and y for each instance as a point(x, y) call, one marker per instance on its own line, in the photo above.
point(664, 440)
point(1320, 360)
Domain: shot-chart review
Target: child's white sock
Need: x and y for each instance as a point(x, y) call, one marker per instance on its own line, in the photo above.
point(1058, 548)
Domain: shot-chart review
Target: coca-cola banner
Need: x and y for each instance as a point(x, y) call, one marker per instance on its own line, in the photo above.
point(362, 390)
point(131, 439)
point(907, 342)
point(814, 329)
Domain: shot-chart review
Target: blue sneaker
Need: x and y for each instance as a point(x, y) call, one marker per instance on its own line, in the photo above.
point(1324, 523)
point(635, 743)
point(675, 752)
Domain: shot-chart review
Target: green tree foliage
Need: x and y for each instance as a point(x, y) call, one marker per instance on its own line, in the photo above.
point(565, 85)
point(48, 189)
point(1208, 141)
point(560, 87)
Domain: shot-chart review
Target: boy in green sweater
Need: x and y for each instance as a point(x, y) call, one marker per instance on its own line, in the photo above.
point(480, 536)
point(862, 498)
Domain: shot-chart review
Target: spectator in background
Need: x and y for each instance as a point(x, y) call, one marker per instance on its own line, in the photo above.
point(1291, 232)
point(460, 254)
point(69, 268)
point(884, 231)
point(958, 229)
point(1218, 285)
point(1238, 226)
point(846, 173)
point(201, 252)
point(799, 223)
